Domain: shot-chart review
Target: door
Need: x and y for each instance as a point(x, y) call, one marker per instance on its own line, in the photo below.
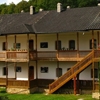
point(31, 72)
point(31, 45)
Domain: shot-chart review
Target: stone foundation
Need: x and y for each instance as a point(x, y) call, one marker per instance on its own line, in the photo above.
point(22, 91)
point(96, 95)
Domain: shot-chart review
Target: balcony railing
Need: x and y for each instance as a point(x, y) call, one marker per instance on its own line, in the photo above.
point(43, 55)
point(17, 83)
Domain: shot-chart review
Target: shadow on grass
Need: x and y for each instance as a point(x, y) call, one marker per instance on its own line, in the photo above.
point(4, 98)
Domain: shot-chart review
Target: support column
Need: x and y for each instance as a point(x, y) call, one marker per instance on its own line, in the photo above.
point(6, 63)
point(78, 45)
point(36, 57)
point(93, 58)
point(6, 74)
point(75, 85)
point(57, 46)
point(78, 85)
point(98, 37)
point(92, 40)
point(99, 75)
point(15, 55)
point(28, 59)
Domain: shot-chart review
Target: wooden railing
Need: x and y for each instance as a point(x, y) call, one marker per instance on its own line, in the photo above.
point(33, 55)
point(67, 53)
point(71, 73)
point(3, 81)
point(46, 54)
point(17, 55)
point(18, 83)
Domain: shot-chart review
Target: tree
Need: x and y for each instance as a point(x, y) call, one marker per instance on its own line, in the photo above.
point(23, 5)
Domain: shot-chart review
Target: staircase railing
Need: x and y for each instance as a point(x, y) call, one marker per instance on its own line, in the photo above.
point(77, 68)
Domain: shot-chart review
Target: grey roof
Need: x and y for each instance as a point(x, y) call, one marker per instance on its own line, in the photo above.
point(75, 19)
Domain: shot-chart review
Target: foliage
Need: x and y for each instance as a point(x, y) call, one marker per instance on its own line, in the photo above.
point(45, 4)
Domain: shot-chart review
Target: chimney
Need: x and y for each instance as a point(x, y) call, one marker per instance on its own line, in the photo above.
point(32, 10)
point(59, 7)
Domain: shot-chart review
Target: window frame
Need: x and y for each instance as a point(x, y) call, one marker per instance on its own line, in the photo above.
point(71, 47)
point(4, 71)
point(44, 69)
point(95, 44)
point(43, 44)
point(59, 45)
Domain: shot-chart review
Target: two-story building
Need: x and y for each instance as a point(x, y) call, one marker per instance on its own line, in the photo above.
point(50, 48)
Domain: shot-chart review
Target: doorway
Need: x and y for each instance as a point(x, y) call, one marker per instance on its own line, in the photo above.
point(31, 45)
point(31, 72)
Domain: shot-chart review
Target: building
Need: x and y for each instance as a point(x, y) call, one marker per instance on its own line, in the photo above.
point(52, 48)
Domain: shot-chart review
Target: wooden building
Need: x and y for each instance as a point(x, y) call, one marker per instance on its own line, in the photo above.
point(51, 49)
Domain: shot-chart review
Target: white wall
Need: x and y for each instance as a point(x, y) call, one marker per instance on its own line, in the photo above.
point(23, 75)
point(2, 64)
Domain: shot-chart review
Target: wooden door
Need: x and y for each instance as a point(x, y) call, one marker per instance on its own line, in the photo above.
point(31, 72)
point(31, 45)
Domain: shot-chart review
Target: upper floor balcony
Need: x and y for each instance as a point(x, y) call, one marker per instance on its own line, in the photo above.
point(66, 55)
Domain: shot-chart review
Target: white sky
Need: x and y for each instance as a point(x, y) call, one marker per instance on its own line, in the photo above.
point(10, 1)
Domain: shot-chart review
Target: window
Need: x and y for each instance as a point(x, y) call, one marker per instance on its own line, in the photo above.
point(44, 69)
point(44, 45)
point(95, 73)
point(4, 46)
point(18, 69)
point(58, 72)
point(59, 45)
point(95, 44)
point(18, 45)
point(4, 70)
point(72, 45)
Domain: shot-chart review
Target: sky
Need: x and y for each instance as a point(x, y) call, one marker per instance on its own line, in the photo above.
point(10, 1)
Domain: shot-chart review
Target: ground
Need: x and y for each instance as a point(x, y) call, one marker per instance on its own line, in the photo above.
point(39, 96)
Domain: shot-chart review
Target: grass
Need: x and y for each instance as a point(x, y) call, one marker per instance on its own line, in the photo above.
point(38, 96)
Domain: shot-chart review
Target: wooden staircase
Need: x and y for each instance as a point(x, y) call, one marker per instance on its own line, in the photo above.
point(77, 68)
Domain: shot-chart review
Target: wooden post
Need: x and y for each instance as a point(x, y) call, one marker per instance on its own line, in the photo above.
point(92, 40)
point(15, 43)
point(98, 38)
point(6, 74)
point(6, 64)
point(57, 46)
point(28, 59)
point(93, 57)
point(74, 85)
point(6, 44)
point(36, 57)
point(77, 45)
point(78, 84)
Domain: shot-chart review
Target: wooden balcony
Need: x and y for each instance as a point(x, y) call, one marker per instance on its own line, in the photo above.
point(62, 55)
point(2, 56)
point(17, 56)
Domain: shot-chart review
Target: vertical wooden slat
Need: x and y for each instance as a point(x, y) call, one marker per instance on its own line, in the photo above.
point(77, 45)
point(6, 47)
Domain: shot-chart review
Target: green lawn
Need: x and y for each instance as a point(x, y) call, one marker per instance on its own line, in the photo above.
point(43, 96)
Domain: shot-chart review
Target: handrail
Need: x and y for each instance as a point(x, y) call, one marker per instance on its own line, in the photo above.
point(72, 72)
